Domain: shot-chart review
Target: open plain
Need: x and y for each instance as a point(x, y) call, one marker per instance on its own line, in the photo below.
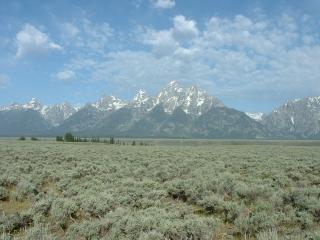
point(169, 189)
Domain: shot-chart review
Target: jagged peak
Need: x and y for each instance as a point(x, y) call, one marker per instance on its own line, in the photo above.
point(173, 83)
point(33, 104)
point(173, 86)
point(34, 100)
point(64, 105)
point(314, 99)
point(192, 100)
point(141, 95)
point(107, 103)
point(305, 100)
point(194, 88)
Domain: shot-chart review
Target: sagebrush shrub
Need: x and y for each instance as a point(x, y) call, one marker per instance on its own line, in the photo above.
point(40, 232)
point(4, 194)
point(97, 206)
point(304, 219)
point(212, 204)
point(271, 234)
point(25, 189)
point(99, 191)
point(14, 222)
point(95, 229)
point(63, 211)
point(42, 207)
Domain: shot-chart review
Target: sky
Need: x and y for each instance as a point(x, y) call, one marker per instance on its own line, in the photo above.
point(252, 54)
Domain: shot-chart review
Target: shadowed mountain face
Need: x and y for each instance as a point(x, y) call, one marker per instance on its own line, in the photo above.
point(218, 122)
point(223, 122)
point(299, 118)
point(82, 120)
point(176, 112)
point(22, 122)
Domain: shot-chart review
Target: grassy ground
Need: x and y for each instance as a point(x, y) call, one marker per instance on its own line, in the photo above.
point(171, 189)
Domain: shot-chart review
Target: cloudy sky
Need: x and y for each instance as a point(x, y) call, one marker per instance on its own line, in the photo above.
point(252, 54)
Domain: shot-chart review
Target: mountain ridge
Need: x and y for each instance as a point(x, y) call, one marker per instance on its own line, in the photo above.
point(176, 111)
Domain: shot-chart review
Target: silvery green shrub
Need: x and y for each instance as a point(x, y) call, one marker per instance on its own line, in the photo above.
point(4, 194)
point(14, 222)
point(212, 204)
point(152, 235)
point(25, 189)
point(42, 207)
point(97, 205)
point(305, 219)
point(63, 211)
point(94, 229)
point(40, 232)
point(270, 234)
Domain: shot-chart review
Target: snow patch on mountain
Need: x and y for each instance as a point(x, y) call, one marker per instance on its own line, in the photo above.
point(298, 118)
point(34, 104)
point(55, 114)
point(109, 103)
point(255, 116)
point(192, 100)
point(292, 120)
point(143, 100)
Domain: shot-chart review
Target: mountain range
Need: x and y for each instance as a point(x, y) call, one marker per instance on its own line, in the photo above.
point(176, 112)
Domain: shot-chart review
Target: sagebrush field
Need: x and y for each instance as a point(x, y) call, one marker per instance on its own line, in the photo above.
point(51, 190)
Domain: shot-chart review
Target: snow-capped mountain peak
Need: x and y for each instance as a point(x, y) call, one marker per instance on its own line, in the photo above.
point(143, 100)
point(54, 114)
point(12, 106)
point(192, 100)
point(109, 103)
point(33, 104)
point(173, 84)
point(141, 96)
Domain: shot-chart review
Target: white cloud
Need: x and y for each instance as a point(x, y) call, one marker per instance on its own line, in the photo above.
point(147, 69)
point(66, 75)
point(168, 41)
point(137, 3)
point(241, 57)
point(184, 29)
point(31, 40)
point(4, 81)
point(96, 35)
point(87, 37)
point(164, 4)
point(70, 29)
point(162, 42)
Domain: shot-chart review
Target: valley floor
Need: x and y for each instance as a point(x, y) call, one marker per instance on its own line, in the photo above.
point(169, 189)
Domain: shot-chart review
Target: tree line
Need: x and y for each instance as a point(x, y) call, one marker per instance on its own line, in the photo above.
point(69, 137)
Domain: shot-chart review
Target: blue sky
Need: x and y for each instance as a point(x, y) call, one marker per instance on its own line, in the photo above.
point(252, 54)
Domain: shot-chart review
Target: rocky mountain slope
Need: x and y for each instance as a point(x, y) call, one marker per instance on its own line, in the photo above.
point(19, 122)
point(299, 118)
point(55, 114)
point(191, 100)
point(256, 116)
point(175, 112)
